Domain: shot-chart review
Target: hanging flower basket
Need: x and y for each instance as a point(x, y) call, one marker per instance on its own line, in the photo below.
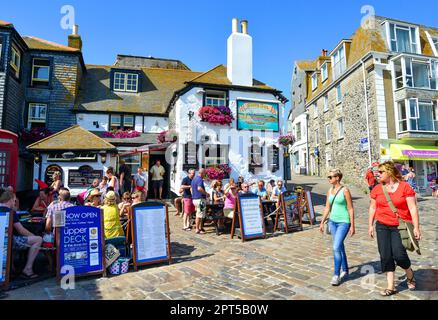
point(219, 115)
point(122, 134)
point(167, 136)
point(218, 172)
point(35, 134)
point(286, 140)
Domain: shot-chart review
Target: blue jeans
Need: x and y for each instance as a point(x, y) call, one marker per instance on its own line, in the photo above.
point(339, 232)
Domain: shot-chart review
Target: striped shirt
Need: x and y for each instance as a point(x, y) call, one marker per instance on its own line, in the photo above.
point(57, 206)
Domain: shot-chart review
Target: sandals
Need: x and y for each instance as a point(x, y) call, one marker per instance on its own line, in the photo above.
point(200, 232)
point(29, 276)
point(388, 292)
point(412, 284)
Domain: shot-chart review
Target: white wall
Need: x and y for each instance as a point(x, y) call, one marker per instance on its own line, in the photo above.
point(239, 141)
point(66, 166)
point(301, 145)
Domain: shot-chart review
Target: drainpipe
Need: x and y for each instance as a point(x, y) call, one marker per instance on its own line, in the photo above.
point(367, 112)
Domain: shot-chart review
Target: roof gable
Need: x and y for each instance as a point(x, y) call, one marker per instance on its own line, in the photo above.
point(73, 138)
point(41, 44)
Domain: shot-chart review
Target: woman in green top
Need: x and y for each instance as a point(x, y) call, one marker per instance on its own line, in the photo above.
point(341, 222)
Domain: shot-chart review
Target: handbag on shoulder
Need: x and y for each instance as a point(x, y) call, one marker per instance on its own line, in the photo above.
point(326, 225)
point(405, 228)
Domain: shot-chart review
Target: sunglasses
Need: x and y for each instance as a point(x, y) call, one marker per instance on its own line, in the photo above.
point(133, 198)
point(381, 172)
point(331, 177)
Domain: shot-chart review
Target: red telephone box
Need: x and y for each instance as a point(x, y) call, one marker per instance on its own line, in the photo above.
point(8, 158)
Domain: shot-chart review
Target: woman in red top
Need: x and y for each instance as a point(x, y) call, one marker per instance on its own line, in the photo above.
point(389, 242)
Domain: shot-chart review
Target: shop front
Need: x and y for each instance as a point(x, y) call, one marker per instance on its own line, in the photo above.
point(424, 160)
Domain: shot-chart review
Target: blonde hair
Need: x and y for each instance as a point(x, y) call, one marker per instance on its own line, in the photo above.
point(6, 195)
point(337, 173)
point(391, 170)
point(109, 202)
point(137, 194)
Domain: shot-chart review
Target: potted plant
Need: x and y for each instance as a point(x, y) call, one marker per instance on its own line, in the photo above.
point(35, 134)
point(122, 134)
point(167, 136)
point(218, 172)
point(218, 115)
point(286, 140)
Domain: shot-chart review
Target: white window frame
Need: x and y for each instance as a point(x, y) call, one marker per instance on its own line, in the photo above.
point(341, 128)
point(406, 62)
point(315, 110)
point(40, 66)
point(40, 106)
point(119, 124)
point(298, 129)
point(324, 72)
point(124, 81)
point(128, 116)
point(339, 96)
point(314, 81)
point(413, 42)
point(215, 160)
point(215, 101)
point(402, 105)
point(328, 133)
point(15, 62)
point(326, 103)
point(339, 62)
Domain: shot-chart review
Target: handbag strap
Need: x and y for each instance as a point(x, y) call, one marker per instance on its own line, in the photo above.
point(391, 204)
point(331, 204)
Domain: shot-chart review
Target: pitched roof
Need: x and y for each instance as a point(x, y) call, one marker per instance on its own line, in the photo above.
point(73, 138)
point(306, 65)
point(218, 76)
point(144, 138)
point(157, 87)
point(5, 24)
point(41, 44)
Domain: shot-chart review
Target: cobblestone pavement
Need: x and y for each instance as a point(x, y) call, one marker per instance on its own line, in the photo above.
point(294, 266)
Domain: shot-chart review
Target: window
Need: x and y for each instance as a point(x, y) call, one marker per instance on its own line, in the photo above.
point(434, 40)
point(40, 72)
point(326, 104)
point(340, 128)
point(191, 156)
point(416, 73)
point(298, 131)
point(338, 94)
point(418, 115)
point(15, 61)
point(37, 115)
point(314, 81)
point(315, 110)
point(215, 98)
point(403, 38)
point(324, 73)
point(328, 160)
point(125, 82)
point(328, 133)
point(273, 158)
point(317, 137)
point(215, 154)
point(339, 62)
point(133, 162)
point(255, 156)
point(119, 121)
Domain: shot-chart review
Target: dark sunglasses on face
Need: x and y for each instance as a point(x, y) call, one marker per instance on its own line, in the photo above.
point(381, 172)
point(331, 177)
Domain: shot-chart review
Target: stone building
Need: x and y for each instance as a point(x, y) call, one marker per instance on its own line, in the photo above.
point(374, 98)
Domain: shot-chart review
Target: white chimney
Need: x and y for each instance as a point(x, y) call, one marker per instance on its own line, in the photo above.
point(239, 55)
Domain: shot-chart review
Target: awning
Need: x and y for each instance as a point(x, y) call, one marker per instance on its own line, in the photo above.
point(413, 152)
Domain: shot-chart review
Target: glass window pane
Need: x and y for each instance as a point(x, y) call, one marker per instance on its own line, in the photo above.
point(403, 41)
point(421, 75)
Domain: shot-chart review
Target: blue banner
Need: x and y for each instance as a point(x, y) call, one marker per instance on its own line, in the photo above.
point(4, 242)
point(81, 240)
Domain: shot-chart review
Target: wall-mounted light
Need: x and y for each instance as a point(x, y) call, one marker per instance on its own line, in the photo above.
point(37, 158)
point(68, 155)
point(190, 114)
point(103, 156)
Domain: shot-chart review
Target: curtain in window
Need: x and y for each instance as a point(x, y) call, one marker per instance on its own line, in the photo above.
point(425, 122)
point(403, 41)
point(421, 75)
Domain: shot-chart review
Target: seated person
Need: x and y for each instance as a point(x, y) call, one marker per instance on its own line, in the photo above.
point(94, 198)
point(137, 197)
point(279, 189)
point(270, 187)
point(43, 201)
point(261, 190)
point(22, 238)
point(111, 217)
point(125, 205)
point(62, 203)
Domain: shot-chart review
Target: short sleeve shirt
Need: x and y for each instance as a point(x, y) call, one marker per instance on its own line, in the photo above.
point(140, 180)
point(187, 193)
point(384, 214)
point(197, 182)
point(156, 172)
point(127, 171)
point(261, 193)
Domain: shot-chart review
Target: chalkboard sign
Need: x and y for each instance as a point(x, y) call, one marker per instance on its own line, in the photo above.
point(291, 211)
point(5, 244)
point(50, 170)
point(150, 234)
point(81, 241)
point(250, 214)
point(83, 177)
point(307, 207)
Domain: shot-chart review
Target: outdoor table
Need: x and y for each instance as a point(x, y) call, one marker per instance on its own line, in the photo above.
point(214, 211)
point(37, 227)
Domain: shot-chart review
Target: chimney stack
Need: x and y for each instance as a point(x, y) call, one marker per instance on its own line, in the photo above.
point(239, 55)
point(74, 39)
point(324, 52)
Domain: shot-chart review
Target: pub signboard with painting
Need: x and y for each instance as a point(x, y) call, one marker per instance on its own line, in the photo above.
point(255, 115)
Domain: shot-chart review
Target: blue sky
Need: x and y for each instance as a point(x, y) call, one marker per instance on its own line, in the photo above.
point(195, 31)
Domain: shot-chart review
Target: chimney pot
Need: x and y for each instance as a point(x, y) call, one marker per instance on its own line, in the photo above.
point(235, 25)
point(75, 40)
point(244, 24)
point(75, 30)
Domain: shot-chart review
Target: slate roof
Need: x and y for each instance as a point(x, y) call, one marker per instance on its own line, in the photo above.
point(5, 24)
point(155, 93)
point(145, 138)
point(73, 138)
point(307, 65)
point(41, 44)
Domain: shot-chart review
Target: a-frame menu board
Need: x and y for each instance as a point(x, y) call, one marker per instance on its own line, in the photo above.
point(250, 215)
point(307, 207)
point(150, 234)
point(290, 212)
point(5, 245)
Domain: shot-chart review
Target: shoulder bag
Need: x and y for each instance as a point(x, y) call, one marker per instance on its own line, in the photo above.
point(326, 225)
point(405, 228)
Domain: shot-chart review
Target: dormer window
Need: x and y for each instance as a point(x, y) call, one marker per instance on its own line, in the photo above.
point(40, 72)
point(314, 81)
point(339, 62)
point(125, 82)
point(324, 73)
point(15, 61)
point(403, 38)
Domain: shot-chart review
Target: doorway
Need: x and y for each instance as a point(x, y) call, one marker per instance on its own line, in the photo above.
point(166, 182)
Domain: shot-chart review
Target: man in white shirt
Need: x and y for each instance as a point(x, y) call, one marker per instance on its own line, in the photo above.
point(157, 171)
